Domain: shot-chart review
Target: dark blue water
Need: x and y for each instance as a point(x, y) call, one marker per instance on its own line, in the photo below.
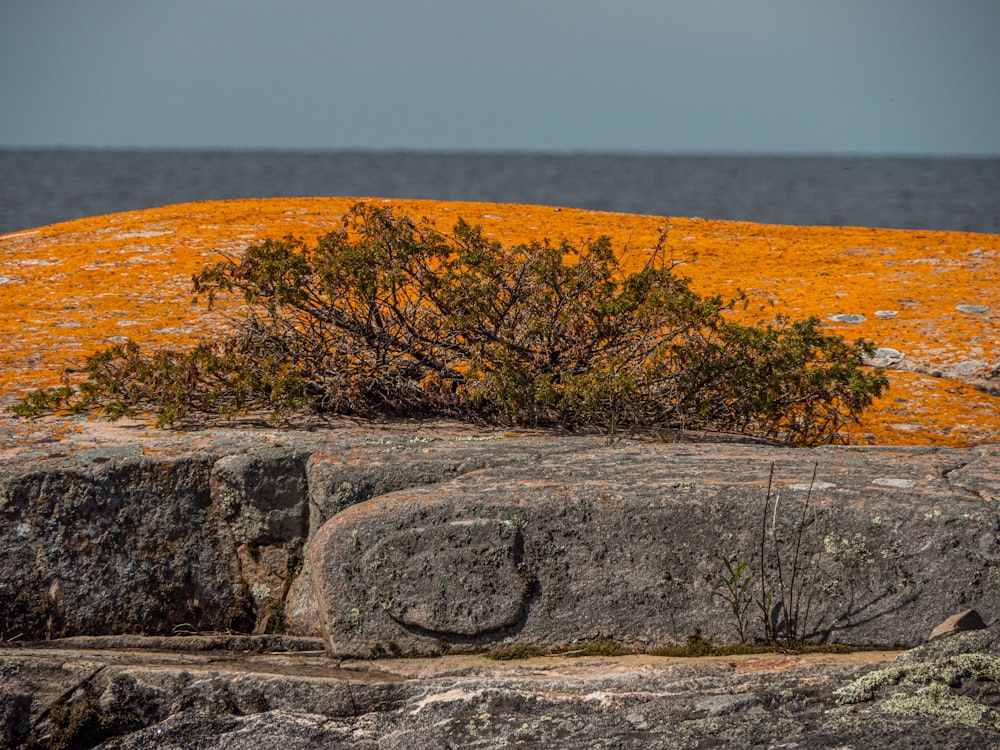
point(40, 187)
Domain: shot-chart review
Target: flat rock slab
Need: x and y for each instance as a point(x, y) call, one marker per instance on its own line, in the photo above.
point(931, 697)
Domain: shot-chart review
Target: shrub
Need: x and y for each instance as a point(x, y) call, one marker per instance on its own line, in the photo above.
point(388, 317)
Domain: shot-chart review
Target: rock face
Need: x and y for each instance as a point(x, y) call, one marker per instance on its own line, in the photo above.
point(426, 541)
point(627, 542)
point(370, 542)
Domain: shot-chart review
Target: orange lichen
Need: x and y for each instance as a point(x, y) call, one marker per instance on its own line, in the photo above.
point(68, 289)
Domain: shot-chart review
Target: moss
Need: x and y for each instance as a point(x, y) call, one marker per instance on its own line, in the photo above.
point(276, 621)
point(694, 648)
point(509, 653)
point(76, 724)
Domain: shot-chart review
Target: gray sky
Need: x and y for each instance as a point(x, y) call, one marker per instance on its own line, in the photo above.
point(796, 76)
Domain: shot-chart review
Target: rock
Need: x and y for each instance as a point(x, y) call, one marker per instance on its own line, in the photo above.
point(884, 356)
point(440, 539)
point(192, 531)
point(110, 541)
point(967, 620)
point(899, 484)
point(847, 318)
point(422, 577)
point(643, 529)
point(975, 309)
point(229, 699)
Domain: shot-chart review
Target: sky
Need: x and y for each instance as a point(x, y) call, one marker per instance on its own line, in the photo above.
point(918, 77)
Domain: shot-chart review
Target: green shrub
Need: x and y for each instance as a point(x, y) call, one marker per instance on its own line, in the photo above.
point(389, 317)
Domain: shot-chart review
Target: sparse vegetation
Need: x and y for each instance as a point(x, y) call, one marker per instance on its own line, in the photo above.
point(389, 317)
point(694, 645)
point(734, 588)
point(517, 651)
point(785, 576)
point(698, 645)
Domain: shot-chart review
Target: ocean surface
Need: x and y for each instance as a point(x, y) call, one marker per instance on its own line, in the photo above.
point(39, 187)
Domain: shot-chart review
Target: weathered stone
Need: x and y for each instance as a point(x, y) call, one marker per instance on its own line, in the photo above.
point(429, 539)
point(423, 578)
point(970, 619)
point(264, 494)
point(627, 541)
point(884, 356)
point(140, 700)
point(847, 318)
point(98, 544)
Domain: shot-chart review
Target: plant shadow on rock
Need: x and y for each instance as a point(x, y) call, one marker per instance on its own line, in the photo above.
point(388, 317)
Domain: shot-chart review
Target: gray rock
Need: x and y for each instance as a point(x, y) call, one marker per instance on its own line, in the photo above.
point(422, 577)
point(885, 356)
point(102, 542)
point(423, 541)
point(192, 531)
point(627, 541)
point(164, 699)
point(847, 318)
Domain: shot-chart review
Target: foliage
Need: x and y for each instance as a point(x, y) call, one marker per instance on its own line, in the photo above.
point(389, 317)
point(734, 589)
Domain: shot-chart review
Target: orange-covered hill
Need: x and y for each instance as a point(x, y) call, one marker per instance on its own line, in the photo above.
point(934, 297)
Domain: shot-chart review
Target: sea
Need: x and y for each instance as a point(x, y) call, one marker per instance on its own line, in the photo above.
point(44, 186)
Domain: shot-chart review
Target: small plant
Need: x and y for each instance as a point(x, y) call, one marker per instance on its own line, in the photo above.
point(785, 602)
point(390, 317)
point(736, 592)
point(276, 622)
point(784, 586)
